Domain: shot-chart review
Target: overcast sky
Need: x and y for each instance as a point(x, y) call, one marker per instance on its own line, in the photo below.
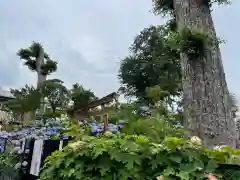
point(88, 38)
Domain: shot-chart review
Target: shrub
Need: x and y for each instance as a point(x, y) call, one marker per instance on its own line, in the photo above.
point(156, 128)
point(9, 165)
point(51, 114)
point(132, 157)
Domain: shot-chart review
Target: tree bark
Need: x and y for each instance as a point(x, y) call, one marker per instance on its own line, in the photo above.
point(22, 117)
point(40, 77)
point(39, 62)
point(207, 111)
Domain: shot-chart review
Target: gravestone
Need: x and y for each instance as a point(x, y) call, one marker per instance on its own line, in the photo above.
point(35, 152)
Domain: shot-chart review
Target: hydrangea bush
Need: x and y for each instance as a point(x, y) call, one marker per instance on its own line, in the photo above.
point(145, 149)
point(97, 128)
point(127, 157)
point(54, 128)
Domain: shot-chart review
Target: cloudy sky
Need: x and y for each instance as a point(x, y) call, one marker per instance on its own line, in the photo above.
point(88, 38)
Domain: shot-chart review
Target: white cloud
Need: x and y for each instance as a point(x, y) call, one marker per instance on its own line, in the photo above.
point(91, 48)
point(87, 38)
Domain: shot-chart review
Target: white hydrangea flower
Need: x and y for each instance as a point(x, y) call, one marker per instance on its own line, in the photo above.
point(219, 147)
point(196, 140)
point(17, 166)
point(16, 143)
point(76, 145)
point(159, 178)
point(16, 149)
point(25, 163)
point(58, 119)
point(216, 147)
point(20, 151)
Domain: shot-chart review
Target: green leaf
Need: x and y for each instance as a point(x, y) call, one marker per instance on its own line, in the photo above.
point(168, 171)
point(69, 161)
point(183, 175)
point(211, 166)
point(198, 165)
point(71, 172)
point(176, 158)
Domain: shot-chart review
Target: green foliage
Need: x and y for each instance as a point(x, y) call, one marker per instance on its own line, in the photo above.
point(156, 94)
point(26, 99)
point(156, 128)
point(81, 97)
point(10, 127)
point(48, 67)
point(75, 132)
point(165, 7)
point(51, 114)
point(7, 160)
point(152, 62)
point(30, 56)
point(171, 25)
point(124, 110)
point(8, 163)
point(32, 51)
point(22, 92)
point(56, 93)
point(192, 43)
point(127, 157)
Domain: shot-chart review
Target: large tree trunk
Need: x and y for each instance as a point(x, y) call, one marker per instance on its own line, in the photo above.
point(206, 104)
point(39, 62)
point(40, 77)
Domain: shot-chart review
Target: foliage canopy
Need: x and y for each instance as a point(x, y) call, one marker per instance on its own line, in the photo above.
point(165, 7)
point(30, 55)
point(152, 62)
point(57, 94)
point(81, 97)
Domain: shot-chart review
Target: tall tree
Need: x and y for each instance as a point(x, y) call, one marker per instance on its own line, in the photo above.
point(22, 92)
point(207, 108)
point(26, 99)
point(56, 93)
point(81, 97)
point(37, 60)
point(152, 62)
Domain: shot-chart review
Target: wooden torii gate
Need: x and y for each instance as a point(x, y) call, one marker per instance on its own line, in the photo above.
point(93, 111)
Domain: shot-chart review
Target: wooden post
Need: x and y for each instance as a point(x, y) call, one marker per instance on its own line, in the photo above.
point(105, 122)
